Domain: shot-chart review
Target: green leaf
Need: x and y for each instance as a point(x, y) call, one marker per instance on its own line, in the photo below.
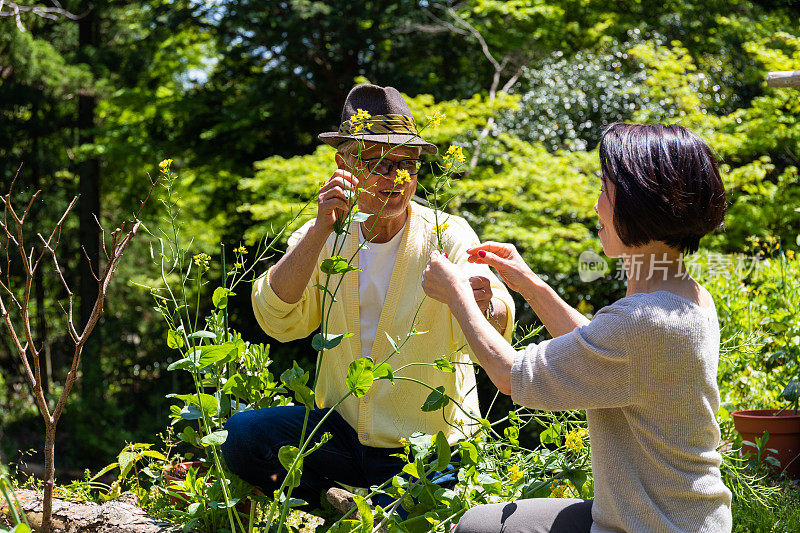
point(336, 265)
point(125, 460)
point(420, 443)
point(174, 340)
point(551, 435)
point(490, 484)
point(21, 528)
point(411, 470)
point(392, 342)
point(469, 453)
point(327, 341)
point(436, 400)
point(190, 435)
point(360, 376)
point(202, 334)
point(792, 391)
point(206, 402)
point(367, 520)
point(105, 470)
point(325, 289)
point(444, 365)
point(191, 412)
point(236, 381)
point(216, 353)
point(220, 297)
point(442, 452)
point(183, 364)
point(295, 380)
point(287, 455)
point(578, 477)
point(154, 454)
point(383, 370)
point(216, 438)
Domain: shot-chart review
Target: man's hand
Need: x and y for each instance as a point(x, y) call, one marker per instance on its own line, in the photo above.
point(482, 291)
point(443, 281)
point(333, 200)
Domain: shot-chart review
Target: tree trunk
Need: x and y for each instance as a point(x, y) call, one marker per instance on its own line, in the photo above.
point(89, 208)
point(49, 474)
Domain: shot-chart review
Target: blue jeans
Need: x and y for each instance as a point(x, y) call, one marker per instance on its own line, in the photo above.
point(255, 437)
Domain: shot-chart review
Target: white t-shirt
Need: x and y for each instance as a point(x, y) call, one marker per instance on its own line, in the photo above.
point(376, 262)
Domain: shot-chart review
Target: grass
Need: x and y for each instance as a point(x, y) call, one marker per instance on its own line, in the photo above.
point(780, 514)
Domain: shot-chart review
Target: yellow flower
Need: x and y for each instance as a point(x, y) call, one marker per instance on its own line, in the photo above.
point(456, 152)
point(514, 473)
point(402, 177)
point(202, 260)
point(790, 254)
point(435, 119)
point(440, 228)
point(237, 265)
point(573, 441)
point(165, 164)
point(558, 490)
point(358, 127)
point(240, 250)
point(361, 116)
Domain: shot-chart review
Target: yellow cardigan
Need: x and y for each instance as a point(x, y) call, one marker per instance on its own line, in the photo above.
point(390, 411)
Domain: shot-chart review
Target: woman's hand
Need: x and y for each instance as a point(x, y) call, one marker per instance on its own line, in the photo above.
point(443, 281)
point(506, 260)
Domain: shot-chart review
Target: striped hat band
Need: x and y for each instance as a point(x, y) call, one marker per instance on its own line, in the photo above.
point(378, 124)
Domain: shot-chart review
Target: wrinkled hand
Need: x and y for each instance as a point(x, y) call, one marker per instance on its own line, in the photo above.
point(443, 281)
point(332, 202)
point(506, 260)
point(482, 291)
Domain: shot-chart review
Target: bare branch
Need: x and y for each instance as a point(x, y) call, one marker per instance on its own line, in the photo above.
point(70, 296)
point(88, 259)
point(475, 33)
point(512, 80)
point(437, 29)
point(10, 293)
point(16, 10)
point(56, 231)
point(27, 209)
point(19, 168)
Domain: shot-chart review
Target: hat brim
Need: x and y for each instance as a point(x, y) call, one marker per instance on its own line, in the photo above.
point(334, 138)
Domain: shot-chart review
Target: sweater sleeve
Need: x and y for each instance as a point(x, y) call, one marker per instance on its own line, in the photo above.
point(287, 321)
point(587, 368)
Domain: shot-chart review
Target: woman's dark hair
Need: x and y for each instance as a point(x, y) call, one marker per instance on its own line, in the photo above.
point(667, 186)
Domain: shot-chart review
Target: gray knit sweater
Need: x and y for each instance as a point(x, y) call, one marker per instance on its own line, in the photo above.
point(645, 370)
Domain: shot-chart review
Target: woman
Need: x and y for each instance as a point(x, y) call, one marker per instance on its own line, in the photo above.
point(644, 367)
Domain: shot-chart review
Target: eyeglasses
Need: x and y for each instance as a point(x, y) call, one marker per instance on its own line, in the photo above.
point(384, 166)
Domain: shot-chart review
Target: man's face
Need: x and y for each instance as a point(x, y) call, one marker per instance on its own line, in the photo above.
point(386, 195)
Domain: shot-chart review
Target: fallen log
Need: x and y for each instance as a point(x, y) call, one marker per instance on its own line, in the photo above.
point(120, 515)
point(785, 78)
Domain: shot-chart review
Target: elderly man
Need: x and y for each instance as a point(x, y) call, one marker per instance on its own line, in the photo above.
point(382, 299)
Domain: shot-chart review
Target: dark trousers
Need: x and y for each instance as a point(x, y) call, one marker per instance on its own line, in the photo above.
point(255, 437)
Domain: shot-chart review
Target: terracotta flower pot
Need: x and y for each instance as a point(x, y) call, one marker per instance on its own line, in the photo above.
point(176, 473)
point(784, 435)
